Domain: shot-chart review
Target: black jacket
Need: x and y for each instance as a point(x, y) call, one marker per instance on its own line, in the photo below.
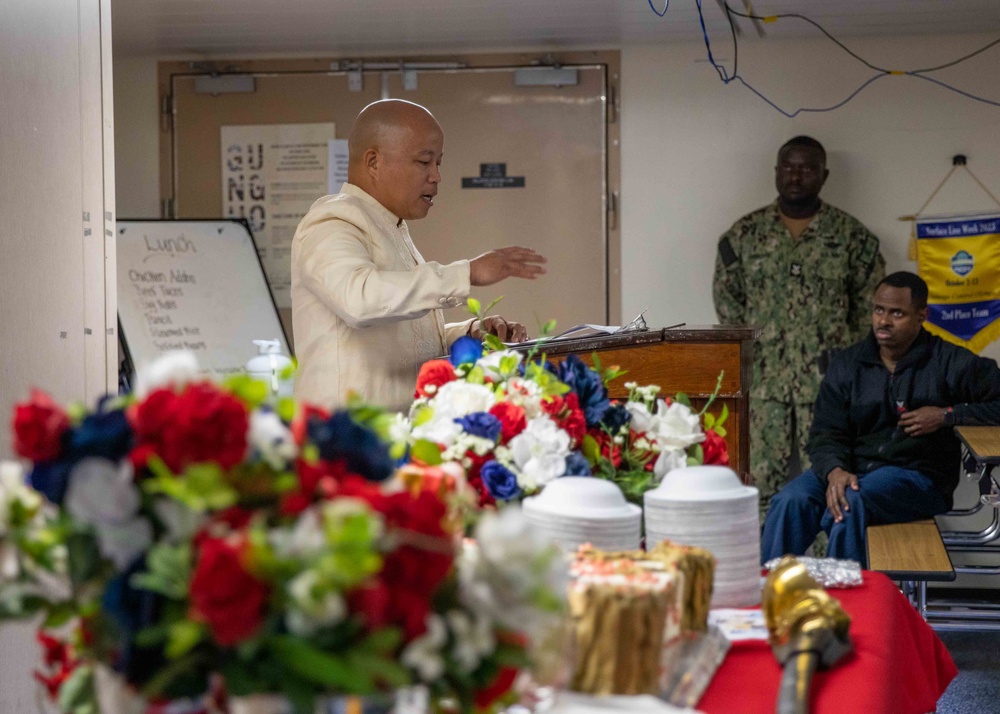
point(857, 411)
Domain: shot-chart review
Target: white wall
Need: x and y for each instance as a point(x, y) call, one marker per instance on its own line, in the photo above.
point(57, 203)
point(697, 154)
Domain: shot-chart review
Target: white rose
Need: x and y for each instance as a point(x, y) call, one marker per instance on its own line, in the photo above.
point(311, 608)
point(525, 394)
point(642, 420)
point(473, 638)
point(507, 567)
point(424, 653)
point(539, 453)
point(439, 429)
point(668, 461)
point(459, 398)
point(272, 439)
point(13, 490)
point(174, 369)
point(490, 363)
point(103, 495)
point(676, 426)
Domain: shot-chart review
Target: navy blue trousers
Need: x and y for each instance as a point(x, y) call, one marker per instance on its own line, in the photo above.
point(887, 495)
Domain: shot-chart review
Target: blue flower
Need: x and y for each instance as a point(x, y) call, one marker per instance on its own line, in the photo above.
point(107, 435)
point(615, 418)
point(500, 481)
point(589, 387)
point(341, 438)
point(133, 609)
point(50, 478)
point(481, 424)
point(577, 465)
point(465, 350)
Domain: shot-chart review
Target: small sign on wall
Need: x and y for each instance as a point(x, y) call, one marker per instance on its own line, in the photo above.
point(493, 175)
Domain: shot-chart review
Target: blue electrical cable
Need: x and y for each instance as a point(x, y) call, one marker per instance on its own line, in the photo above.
point(666, 5)
point(727, 78)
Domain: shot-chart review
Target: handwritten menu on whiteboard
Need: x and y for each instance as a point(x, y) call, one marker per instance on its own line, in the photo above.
point(193, 285)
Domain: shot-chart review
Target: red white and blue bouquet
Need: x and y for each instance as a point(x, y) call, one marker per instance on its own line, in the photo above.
point(515, 421)
point(196, 532)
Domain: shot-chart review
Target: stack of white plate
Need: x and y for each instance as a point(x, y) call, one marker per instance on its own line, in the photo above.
point(574, 510)
point(708, 506)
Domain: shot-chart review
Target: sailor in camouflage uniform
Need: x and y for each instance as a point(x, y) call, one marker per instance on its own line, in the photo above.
point(804, 272)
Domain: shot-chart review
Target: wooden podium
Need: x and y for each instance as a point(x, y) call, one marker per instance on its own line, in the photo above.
point(682, 359)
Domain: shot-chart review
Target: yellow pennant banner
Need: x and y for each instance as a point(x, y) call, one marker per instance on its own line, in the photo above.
point(960, 260)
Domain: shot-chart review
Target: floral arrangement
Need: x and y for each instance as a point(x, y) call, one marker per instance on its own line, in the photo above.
point(659, 435)
point(197, 530)
point(515, 421)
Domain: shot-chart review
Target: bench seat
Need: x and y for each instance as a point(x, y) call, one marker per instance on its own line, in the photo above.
point(909, 552)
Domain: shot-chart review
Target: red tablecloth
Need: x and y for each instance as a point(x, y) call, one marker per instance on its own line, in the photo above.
point(898, 665)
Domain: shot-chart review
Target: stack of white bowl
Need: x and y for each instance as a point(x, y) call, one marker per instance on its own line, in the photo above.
point(709, 507)
point(574, 510)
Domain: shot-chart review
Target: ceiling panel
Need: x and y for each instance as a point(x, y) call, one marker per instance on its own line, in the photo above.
point(367, 27)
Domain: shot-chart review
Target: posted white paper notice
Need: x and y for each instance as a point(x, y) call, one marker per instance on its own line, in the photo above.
point(336, 165)
point(271, 175)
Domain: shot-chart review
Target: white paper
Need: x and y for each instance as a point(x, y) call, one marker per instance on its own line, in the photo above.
point(739, 625)
point(574, 333)
point(337, 159)
point(271, 175)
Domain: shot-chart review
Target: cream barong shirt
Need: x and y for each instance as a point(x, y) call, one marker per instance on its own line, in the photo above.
point(366, 307)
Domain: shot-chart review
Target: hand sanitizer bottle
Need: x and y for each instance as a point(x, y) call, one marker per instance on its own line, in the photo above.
point(268, 366)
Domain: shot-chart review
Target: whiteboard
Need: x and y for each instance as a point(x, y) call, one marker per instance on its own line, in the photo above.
point(193, 285)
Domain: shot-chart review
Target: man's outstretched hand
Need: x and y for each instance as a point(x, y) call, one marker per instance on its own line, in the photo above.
point(507, 331)
point(512, 262)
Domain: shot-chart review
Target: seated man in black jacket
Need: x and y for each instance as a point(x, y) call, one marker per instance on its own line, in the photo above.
point(881, 444)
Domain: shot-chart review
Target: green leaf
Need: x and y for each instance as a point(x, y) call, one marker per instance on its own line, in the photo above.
point(315, 666)
point(78, 694)
point(84, 557)
point(698, 457)
point(168, 571)
point(379, 668)
point(182, 637)
point(251, 391)
point(494, 342)
point(476, 376)
point(59, 614)
point(548, 328)
point(723, 415)
point(426, 451)
point(591, 450)
point(709, 421)
point(682, 398)
point(474, 306)
point(720, 430)
point(385, 640)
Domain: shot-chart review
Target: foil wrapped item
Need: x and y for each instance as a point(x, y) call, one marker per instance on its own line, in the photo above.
point(828, 572)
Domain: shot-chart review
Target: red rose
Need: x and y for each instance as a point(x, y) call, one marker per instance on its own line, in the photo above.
point(300, 425)
point(371, 602)
point(715, 450)
point(512, 420)
point(39, 425)
point(567, 414)
point(224, 595)
point(432, 375)
point(413, 571)
point(609, 450)
point(201, 424)
point(318, 479)
point(500, 685)
point(482, 493)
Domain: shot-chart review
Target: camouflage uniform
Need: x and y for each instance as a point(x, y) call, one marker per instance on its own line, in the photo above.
point(809, 296)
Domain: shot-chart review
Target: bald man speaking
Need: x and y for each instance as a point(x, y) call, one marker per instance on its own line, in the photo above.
point(366, 307)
